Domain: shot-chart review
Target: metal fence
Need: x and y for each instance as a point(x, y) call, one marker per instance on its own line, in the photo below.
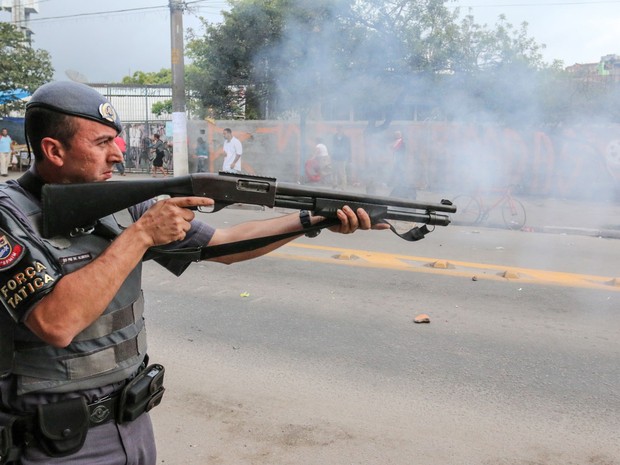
point(134, 105)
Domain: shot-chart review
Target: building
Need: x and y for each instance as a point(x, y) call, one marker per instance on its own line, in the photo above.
point(20, 13)
point(606, 70)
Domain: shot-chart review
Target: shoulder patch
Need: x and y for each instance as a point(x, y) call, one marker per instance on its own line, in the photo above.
point(11, 251)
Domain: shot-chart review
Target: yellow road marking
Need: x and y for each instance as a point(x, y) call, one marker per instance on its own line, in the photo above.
point(471, 270)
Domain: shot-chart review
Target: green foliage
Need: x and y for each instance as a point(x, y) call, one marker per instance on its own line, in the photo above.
point(273, 58)
point(584, 96)
point(22, 66)
point(161, 77)
point(222, 74)
point(162, 108)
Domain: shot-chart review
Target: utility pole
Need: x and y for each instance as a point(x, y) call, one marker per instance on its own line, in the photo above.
point(179, 117)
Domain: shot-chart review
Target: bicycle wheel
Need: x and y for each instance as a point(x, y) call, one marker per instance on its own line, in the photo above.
point(513, 213)
point(467, 210)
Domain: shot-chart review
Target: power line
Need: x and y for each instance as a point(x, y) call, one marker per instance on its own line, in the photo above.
point(111, 12)
point(100, 13)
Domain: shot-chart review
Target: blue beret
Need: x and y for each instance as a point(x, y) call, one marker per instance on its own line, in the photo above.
point(75, 99)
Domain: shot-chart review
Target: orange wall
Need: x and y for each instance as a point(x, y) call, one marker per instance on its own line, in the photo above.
point(578, 161)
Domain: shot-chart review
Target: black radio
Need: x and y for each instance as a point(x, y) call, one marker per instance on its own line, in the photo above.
point(143, 393)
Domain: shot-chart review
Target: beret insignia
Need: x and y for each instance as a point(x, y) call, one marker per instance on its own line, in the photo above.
point(107, 112)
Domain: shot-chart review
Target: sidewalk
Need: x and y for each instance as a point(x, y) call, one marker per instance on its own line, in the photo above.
point(574, 217)
point(545, 215)
point(560, 216)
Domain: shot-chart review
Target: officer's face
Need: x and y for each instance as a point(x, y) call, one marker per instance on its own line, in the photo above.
point(92, 153)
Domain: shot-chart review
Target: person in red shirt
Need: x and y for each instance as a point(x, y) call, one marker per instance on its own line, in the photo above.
point(120, 142)
point(313, 170)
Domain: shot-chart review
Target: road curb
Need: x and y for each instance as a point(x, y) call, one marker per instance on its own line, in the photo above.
point(592, 232)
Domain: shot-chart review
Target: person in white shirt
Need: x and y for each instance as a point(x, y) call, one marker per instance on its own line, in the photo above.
point(233, 150)
point(5, 152)
point(324, 161)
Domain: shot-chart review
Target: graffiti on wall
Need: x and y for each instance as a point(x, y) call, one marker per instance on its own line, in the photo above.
point(573, 162)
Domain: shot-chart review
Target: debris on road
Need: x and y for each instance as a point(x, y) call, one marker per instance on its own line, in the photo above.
point(422, 318)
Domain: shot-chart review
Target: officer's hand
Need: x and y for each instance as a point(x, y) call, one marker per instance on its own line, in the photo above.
point(351, 221)
point(169, 220)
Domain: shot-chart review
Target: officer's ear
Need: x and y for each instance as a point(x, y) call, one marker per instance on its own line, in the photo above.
point(53, 151)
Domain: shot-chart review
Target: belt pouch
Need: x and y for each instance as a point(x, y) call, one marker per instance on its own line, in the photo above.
point(9, 451)
point(62, 426)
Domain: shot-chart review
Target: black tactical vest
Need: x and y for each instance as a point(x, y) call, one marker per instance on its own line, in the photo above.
point(109, 350)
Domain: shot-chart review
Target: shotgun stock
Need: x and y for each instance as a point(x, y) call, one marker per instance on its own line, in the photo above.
point(70, 206)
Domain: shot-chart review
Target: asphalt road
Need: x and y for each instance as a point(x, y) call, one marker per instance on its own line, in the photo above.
point(310, 355)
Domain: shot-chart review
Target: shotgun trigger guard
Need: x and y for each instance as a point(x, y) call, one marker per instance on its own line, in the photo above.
point(217, 206)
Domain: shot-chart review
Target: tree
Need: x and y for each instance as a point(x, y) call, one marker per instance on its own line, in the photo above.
point(23, 68)
point(480, 48)
point(222, 74)
point(380, 57)
point(497, 74)
point(402, 49)
point(161, 108)
point(161, 77)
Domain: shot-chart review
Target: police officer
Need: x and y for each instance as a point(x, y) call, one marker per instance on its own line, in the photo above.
point(76, 381)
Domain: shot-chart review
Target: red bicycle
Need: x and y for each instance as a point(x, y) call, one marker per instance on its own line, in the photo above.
point(476, 209)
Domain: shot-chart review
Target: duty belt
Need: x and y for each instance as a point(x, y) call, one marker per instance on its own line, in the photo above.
point(60, 428)
point(104, 410)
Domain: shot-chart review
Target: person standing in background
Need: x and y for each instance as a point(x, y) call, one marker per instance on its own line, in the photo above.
point(202, 153)
point(400, 182)
point(158, 161)
point(341, 157)
point(5, 152)
point(313, 170)
point(120, 143)
point(233, 150)
point(325, 163)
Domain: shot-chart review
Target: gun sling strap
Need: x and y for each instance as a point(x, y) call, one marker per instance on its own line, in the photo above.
point(214, 251)
point(205, 253)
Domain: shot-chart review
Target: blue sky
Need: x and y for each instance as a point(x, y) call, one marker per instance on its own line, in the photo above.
point(134, 35)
